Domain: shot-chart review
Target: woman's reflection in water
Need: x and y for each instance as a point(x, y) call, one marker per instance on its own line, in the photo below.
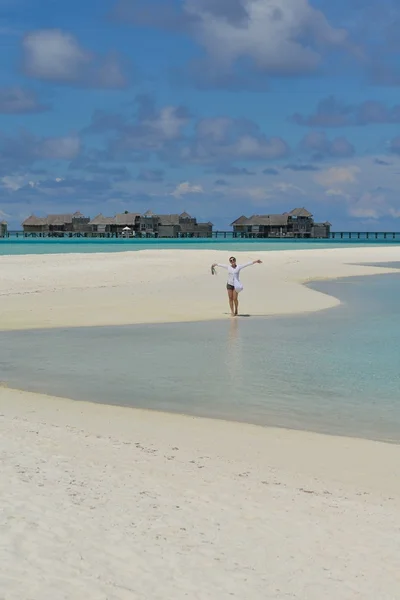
point(234, 356)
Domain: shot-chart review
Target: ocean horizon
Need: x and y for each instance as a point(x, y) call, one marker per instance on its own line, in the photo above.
point(334, 371)
point(21, 246)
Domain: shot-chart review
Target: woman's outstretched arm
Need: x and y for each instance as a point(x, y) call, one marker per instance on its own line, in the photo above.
point(219, 265)
point(249, 264)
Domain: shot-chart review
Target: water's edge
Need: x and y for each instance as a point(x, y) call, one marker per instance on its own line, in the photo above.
point(183, 415)
point(312, 284)
point(146, 332)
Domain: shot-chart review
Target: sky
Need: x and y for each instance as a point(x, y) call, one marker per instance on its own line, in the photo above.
point(220, 108)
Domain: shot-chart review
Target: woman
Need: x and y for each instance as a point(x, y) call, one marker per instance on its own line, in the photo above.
point(234, 285)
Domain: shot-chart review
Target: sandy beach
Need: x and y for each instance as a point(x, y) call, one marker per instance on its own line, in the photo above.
point(101, 502)
point(68, 290)
point(109, 503)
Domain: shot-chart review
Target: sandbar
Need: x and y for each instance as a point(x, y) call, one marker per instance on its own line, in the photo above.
point(161, 286)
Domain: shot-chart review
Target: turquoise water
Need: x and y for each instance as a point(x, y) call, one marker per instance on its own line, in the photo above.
point(76, 245)
point(335, 372)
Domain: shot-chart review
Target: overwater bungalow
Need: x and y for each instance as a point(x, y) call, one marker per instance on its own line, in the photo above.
point(147, 224)
point(297, 223)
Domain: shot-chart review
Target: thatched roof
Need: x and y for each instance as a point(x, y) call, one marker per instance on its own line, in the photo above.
point(204, 225)
point(272, 220)
point(58, 219)
point(300, 212)
point(33, 220)
point(126, 218)
point(65, 219)
point(3, 222)
point(168, 219)
point(268, 220)
point(102, 220)
point(326, 224)
point(240, 221)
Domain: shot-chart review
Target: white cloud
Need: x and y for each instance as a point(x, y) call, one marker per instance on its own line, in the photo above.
point(168, 122)
point(249, 147)
point(368, 205)
point(223, 139)
point(185, 188)
point(337, 193)
point(372, 205)
point(13, 183)
point(16, 182)
point(334, 192)
point(55, 55)
point(274, 35)
point(26, 149)
point(214, 128)
point(288, 187)
point(338, 175)
point(59, 148)
point(255, 193)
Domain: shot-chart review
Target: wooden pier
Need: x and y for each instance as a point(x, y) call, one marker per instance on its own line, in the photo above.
point(334, 235)
point(367, 235)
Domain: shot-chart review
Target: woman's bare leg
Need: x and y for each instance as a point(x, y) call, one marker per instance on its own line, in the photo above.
point(231, 302)
point(235, 302)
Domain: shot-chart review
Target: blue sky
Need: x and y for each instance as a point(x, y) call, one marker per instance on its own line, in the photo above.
point(216, 107)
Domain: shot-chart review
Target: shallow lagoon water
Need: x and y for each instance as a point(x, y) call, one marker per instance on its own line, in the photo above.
point(336, 371)
point(22, 246)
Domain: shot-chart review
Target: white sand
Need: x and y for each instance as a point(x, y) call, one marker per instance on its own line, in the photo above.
point(106, 503)
point(166, 285)
point(99, 502)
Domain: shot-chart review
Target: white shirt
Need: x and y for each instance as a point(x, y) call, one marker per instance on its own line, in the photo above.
point(233, 272)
